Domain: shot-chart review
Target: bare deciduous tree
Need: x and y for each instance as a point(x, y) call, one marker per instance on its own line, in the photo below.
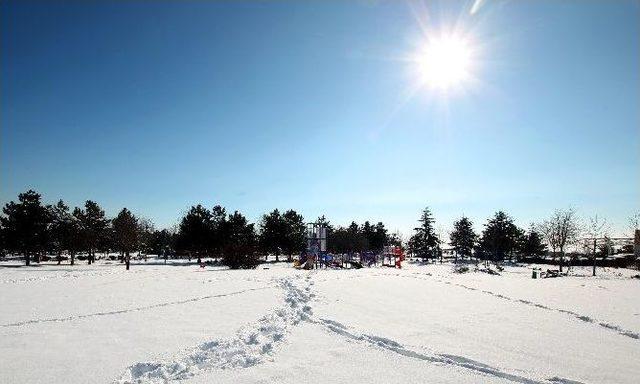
point(634, 223)
point(560, 231)
point(596, 229)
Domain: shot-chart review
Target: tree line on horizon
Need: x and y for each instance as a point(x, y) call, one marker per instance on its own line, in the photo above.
point(33, 230)
point(501, 239)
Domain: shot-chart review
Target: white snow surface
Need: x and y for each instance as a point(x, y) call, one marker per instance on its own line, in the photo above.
point(275, 324)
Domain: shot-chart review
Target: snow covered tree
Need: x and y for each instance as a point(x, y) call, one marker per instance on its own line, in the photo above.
point(126, 233)
point(25, 225)
point(463, 238)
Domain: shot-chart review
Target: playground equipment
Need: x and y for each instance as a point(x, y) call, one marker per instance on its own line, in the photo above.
point(369, 258)
point(392, 256)
point(315, 255)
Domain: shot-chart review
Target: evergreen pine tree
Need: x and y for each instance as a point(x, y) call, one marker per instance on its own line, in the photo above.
point(380, 238)
point(126, 233)
point(463, 238)
point(356, 242)
point(64, 229)
point(93, 224)
point(368, 236)
point(162, 243)
point(240, 243)
point(500, 238)
point(196, 231)
point(272, 233)
point(424, 243)
point(25, 225)
point(218, 228)
point(294, 241)
point(534, 245)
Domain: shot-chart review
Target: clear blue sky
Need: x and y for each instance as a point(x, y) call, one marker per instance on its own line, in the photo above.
point(159, 105)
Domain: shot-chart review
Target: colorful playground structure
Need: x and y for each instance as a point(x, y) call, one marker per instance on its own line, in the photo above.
point(392, 256)
point(315, 255)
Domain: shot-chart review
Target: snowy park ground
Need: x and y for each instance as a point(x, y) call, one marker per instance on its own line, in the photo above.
point(423, 323)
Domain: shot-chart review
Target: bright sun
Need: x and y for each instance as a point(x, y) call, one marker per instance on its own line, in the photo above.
point(445, 62)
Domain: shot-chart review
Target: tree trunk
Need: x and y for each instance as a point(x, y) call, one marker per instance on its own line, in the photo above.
point(127, 260)
point(59, 256)
point(73, 257)
point(561, 258)
point(594, 257)
point(27, 259)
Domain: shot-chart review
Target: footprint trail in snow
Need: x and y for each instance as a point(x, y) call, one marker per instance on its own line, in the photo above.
point(250, 346)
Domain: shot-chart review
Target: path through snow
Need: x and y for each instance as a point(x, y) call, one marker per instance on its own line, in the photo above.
point(250, 346)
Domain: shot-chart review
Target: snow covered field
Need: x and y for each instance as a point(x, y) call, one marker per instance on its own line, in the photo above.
point(156, 323)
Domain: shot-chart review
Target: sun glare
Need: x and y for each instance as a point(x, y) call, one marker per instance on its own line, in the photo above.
point(445, 62)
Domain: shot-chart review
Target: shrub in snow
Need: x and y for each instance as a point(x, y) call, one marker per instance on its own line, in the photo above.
point(240, 258)
point(460, 269)
point(487, 270)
